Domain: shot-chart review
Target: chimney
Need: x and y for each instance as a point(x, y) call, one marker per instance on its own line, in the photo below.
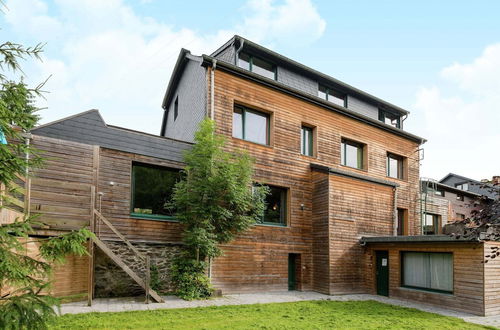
point(496, 180)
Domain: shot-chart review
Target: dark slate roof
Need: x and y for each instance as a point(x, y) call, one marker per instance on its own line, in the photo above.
point(88, 127)
point(484, 189)
point(303, 69)
point(415, 239)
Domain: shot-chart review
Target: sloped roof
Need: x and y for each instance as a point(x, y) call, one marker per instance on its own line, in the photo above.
point(89, 127)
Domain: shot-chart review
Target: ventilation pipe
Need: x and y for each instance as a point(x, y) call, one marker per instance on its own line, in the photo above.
point(237, 53)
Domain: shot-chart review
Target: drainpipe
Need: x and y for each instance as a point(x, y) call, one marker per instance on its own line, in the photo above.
point(237, 53)
point(212, 89)
point(395, 213)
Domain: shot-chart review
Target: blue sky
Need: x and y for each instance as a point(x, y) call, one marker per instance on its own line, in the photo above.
point(438, 59)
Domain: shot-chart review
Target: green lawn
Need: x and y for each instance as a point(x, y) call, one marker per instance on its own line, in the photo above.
point(298, 315)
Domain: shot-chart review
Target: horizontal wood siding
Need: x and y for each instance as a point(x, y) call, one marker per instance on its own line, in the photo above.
point(491, 281)
point(468, 291)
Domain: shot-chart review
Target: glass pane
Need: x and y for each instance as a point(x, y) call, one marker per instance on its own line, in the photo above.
point(393, 167)
point(391, 119)
point(415, 269)
point(353, 156)
point(322, 92)
point(256, 127)
point(263, 68)
point(401, 221)
point(441, 271)
point(430, 224)
point(244, 61)
point(336, 98)
point(152, 188)
point(238, 123)
point(306, 141)
point(275, 206)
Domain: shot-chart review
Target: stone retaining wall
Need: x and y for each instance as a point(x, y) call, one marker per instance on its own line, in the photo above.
point(112, 281)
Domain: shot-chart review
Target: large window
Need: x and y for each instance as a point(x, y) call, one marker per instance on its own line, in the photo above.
point(431, 224)
point(257, 65)
point(332, 96)
point(152, 187)
point(351, 154)
point(306, 141)
point(389, 118)
point(395, 166)
point(401, 221)
point(276, 206)
point(251, 125)
point(462, 186)
point(427, 271)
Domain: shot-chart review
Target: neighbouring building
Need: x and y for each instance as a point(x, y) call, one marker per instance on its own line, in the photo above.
point(343, 215)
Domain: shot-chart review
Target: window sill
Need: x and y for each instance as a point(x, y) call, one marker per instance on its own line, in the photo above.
point(268, 224)
point(256, 143)
point(355, 168)
point(154, 217)
point(415, 289)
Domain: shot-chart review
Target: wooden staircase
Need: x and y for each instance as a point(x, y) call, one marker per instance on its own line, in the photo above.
point(144, 283)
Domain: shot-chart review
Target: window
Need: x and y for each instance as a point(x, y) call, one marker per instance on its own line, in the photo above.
point(431, 224)
point(395, 166)
point(439, 192)
point(176, 108)
point(250, 125)
point(306, 141)
point(152, 187)
point(389, 118)
point(459, 216)
point(351, 154)
point(257, 65)
point(460, 197)
point(332, 96)
point(276, 206)
point(431, 271)
point(401, 221)
point(462, 186)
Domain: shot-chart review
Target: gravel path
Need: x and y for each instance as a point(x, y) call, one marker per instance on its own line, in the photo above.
point(137, 304)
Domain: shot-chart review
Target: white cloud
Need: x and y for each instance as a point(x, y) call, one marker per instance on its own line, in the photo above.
point(463, 124)
point(102, 55)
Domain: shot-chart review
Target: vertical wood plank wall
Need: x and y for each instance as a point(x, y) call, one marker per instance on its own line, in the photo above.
point(491, 280)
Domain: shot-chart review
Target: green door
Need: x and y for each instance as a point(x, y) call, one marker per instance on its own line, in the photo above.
point(382, 273)
point(292, 282)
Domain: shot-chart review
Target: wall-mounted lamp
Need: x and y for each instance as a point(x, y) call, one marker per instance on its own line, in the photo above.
point(302, 207)
point(112, 183)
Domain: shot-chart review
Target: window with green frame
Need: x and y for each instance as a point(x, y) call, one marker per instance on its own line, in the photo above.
point(352, 154)
point(431, 224)
point(251, 125)
point(152, 187)
point(275, 212)
point(332, 95)
point(257, 65)
point(429, 271)
point(306, 141)
point(389, 118)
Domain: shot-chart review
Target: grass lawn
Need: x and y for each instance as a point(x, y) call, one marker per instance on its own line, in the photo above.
point(303, 315)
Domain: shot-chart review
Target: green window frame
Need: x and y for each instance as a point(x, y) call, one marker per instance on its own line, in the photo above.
point(276, 211)
point(306, 141)
point(332, 95)
point(151, 187)
point(389, 118)
point(395, 166)
point(346, 148)
point(427, 271)
point(241, 116)
point(258, 65)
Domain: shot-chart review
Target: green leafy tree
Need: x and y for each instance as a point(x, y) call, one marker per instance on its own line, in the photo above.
point(215, 200)
point(24, 280)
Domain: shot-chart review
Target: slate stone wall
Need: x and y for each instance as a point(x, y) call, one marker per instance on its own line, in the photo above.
point(112, 281)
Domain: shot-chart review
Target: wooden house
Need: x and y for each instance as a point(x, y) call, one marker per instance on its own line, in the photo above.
point(342, 171)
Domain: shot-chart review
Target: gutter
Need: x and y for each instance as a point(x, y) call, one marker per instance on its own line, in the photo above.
point(208, 61)
point(212, 89)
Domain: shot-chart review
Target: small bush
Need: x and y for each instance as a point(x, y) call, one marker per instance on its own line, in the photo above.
point(190, 279)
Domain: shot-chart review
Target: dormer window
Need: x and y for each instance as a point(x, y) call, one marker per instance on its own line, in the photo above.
point(332, 96)
point(389, 118)
point(257, 65)
point(462, 186)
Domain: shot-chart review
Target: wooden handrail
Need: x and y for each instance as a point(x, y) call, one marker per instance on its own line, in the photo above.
point(117, 233)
